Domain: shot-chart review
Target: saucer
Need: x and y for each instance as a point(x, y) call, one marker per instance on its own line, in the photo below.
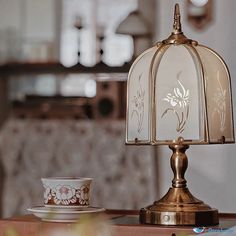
point(61, 215)
point(70, 208)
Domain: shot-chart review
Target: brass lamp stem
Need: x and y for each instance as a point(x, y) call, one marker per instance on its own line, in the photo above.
point(179, 164)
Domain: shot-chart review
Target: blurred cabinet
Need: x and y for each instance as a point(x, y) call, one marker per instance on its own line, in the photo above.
point(66, 100)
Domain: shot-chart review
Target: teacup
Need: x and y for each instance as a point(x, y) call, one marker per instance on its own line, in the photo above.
point(66, 192)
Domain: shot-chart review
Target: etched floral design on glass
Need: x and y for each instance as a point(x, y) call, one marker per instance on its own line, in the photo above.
point(179, 102)
point(219, 98)
point(138, 101)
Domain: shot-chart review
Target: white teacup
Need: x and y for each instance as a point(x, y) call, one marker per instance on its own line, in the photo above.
point(66, 192)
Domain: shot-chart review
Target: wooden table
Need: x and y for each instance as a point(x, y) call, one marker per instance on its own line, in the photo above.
point(123, 223)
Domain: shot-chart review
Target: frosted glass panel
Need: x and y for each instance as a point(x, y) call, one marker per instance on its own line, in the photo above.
point(138, 120)
point(178, 96)
point(218, 92)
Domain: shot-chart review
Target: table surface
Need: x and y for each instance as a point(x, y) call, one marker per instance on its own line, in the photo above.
point(123, 223)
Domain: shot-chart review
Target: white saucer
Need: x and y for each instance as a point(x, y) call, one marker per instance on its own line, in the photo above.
point(70, 208)
point(60, 215)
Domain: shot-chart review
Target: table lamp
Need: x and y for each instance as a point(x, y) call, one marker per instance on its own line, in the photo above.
point(179, 94)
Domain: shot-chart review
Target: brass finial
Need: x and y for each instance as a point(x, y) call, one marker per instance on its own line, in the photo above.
point(177, 36)
point(177, 24)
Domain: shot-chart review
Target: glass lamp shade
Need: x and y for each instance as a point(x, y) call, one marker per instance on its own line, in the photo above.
point(179, 88)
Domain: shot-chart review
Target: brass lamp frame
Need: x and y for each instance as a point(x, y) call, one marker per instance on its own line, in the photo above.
point(179, 206)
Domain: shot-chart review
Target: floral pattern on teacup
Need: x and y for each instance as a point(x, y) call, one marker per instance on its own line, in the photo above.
point(47, 195)
point(66, 195)
point(83, 195)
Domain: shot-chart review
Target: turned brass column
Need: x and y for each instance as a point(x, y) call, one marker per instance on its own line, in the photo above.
point(179, 164)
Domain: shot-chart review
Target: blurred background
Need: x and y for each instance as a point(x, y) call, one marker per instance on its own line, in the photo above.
point(63, 72)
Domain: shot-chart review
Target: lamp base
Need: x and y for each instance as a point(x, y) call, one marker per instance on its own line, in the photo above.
point(179, 207)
